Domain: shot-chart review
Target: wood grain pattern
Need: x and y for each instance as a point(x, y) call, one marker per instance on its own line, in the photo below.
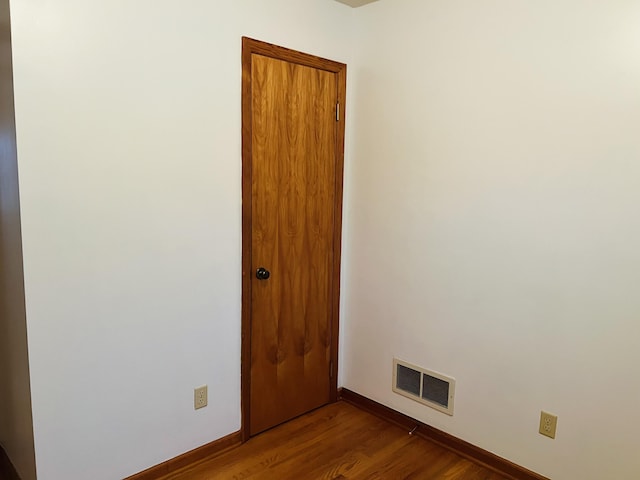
point(247, 162)
point(293, 152)
point(336, 442)
point(189, 459)
point(293, 200)
point(341, 79)
point(482, 457)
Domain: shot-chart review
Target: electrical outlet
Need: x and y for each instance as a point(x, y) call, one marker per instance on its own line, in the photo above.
point(548, 424)
point(200, 397)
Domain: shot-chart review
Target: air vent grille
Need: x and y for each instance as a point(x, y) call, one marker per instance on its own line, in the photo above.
point(424, 386)
point(408, 380)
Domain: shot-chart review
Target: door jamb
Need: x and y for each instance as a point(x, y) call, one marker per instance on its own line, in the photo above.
point(250, 47)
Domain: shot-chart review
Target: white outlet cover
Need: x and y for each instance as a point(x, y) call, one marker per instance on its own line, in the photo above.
point(200, 395)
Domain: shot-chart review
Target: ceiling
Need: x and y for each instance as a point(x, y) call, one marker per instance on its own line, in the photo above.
point(356, 3)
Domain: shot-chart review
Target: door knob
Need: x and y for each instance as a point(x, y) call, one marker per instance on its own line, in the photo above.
point(262, 274)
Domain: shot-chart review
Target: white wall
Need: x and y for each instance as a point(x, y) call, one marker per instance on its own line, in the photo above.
point(16, 428)
point(493, 222)
point(490, 225)
point(128, 120)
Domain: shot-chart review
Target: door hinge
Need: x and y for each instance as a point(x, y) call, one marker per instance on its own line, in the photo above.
point(337, 111)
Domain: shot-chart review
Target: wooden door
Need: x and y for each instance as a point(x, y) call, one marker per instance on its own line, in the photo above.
point(292, 236)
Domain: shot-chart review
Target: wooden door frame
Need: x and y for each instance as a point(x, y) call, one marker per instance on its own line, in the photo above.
point(250, 47)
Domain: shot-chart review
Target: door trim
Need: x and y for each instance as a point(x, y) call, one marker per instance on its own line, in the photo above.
point(250, 47)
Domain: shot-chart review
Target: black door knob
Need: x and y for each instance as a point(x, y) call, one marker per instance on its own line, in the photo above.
point(262, 274)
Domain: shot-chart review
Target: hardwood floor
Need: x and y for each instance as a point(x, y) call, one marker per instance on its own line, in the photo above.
point(336, 442)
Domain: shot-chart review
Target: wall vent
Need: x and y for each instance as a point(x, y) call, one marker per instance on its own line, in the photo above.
point(424, 386)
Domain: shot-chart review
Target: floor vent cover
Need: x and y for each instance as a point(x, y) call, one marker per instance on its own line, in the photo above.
point(424, 386)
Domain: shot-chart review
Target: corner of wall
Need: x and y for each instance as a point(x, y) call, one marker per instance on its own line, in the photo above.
point(16, 423)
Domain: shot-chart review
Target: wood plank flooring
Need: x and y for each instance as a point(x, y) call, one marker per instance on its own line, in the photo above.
point(336, 442)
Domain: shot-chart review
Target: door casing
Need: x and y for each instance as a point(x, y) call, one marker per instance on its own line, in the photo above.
point(249, 48)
